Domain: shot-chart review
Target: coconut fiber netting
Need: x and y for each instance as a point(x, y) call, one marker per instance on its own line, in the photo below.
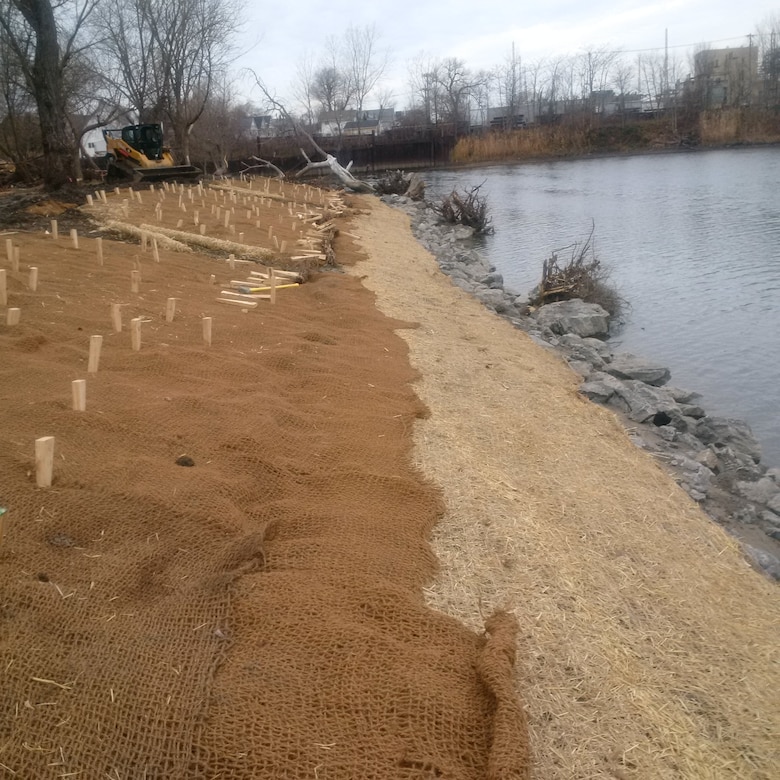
point(225, 578)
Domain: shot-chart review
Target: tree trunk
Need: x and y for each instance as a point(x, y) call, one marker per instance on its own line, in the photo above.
point(46, 82)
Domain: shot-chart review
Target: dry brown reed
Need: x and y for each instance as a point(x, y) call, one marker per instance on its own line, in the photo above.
point(738, 126)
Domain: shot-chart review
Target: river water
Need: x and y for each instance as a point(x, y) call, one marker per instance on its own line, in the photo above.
point(691, 240)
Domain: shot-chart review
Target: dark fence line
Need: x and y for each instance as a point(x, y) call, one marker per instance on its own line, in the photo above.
point(398, 148)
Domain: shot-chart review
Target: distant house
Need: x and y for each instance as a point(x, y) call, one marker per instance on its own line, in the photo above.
point(361, 127)
point(347, 122)
point(253, 127)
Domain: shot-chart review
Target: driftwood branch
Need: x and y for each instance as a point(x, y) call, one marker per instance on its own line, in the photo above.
point(261, 163)
point(338, 170)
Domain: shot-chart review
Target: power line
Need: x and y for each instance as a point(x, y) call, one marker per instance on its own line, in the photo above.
point(679, 45)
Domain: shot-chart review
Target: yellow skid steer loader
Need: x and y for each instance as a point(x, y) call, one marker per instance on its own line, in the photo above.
point(137, 152)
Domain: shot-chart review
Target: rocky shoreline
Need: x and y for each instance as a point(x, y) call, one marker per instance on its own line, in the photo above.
point(716, 460)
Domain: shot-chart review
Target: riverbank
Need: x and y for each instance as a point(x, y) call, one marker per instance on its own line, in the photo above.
point(637, 613)
point(717, 460)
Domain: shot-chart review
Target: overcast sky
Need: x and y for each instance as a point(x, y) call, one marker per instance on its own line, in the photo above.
point(277, 36)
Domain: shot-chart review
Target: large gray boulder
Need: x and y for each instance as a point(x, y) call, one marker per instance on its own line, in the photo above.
point(624, 365)
point(725, 431)
point(495, 299)
point(600, 387)
point(575, 316)
point(646, 402)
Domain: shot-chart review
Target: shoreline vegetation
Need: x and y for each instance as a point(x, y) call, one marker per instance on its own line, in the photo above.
point(580, 137)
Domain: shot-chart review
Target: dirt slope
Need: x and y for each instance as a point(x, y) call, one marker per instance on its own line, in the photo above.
point(257, 613)
point(648, 648)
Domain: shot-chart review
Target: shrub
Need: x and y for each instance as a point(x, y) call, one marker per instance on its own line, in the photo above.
point(466, 208)
point(392, 183)
point(583, 276)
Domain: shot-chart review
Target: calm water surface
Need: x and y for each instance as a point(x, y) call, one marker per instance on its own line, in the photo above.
point(692, 242)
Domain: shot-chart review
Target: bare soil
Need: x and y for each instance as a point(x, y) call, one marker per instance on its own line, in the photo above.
point(225, 577)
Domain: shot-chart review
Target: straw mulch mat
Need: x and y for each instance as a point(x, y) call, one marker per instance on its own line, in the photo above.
point(648, 648)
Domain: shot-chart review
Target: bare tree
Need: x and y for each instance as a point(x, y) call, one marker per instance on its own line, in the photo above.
point(622, 77)
point(424, 84)
point(303, 90)
point(457, 86)
point(508, 80)
point(595, 66)
point(32, 30)
point(365, 63)
point(225, 130)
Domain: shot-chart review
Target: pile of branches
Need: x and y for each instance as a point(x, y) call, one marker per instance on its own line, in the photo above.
point(392, 183)
point(400, 183)
point(466, 208)
point(582, 276)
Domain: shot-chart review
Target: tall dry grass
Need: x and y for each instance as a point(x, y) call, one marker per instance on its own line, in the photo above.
point(738, 126)
point(577, 136)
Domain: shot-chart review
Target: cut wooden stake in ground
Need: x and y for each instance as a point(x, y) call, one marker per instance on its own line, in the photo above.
point(79, 392)
point(135, 333)
point(95, 345)
point(44, 461)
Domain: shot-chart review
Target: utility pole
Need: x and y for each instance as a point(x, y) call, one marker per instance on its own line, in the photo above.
point(666, 65)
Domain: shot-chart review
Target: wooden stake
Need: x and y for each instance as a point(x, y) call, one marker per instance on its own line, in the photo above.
point(232, 262)
point(9, 249)
point(44, 461)
point(276, 242)
point(135, 333)
point(125, 206)
point(32, 282)
point(272, 279)
point(212, 279)
point(135, 281)
point(54, 231)
point(17, 252)
point(116, 317)
point(245, 304)
point(203, 229)
point(179, 223)
point(170, 309)
point(13, 316)
point(155, 251)
point(227, 218)
point(74, 237)
point(100, 251)
point(79, 391)
point(3, 288)
point(95, 344)
point(89, 200)
point(207, 331)
point(3, 525)
point(144, 240)
point(270, 232)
